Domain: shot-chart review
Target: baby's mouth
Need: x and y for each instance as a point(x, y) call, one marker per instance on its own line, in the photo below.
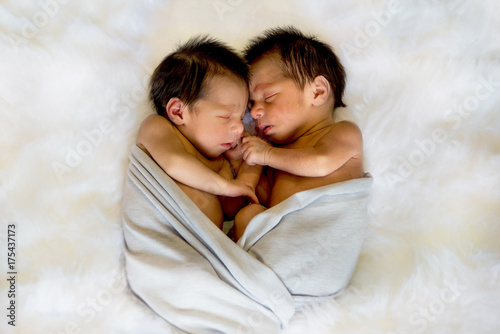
point(265, 129)
point(232, 144)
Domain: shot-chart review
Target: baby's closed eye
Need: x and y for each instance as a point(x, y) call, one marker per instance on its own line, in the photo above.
point(270, 97)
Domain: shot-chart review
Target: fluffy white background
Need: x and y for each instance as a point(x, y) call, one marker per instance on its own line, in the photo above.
point(423, 85)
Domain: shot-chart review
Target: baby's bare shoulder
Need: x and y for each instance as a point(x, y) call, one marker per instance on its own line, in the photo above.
point(343, 135)
point(154, 123)
point(344, 130)
point(155, 128)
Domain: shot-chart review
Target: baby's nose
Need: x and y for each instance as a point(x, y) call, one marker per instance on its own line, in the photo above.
point(238, 127)
point(257, 111)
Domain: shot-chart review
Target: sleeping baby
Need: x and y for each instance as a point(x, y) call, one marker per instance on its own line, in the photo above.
point(295, 84)
point(200, 93)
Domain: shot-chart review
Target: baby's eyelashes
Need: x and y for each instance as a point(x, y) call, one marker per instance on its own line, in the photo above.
point(269, 98)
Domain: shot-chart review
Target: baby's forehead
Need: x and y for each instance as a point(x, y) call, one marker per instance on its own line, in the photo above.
point(228, 87)
point(223, 78)
point(266, 69)
point(271, 60)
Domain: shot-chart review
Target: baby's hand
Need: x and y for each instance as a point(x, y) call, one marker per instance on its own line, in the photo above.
point(239, 188)
point(256, 151)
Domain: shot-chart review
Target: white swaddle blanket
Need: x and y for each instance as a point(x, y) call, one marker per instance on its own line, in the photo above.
point(190, 273)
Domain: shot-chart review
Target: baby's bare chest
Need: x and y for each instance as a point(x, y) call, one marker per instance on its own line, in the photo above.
point(285, 184)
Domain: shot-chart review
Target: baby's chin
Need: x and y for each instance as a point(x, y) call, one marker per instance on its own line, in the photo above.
point(211, 152)
point(279, 139)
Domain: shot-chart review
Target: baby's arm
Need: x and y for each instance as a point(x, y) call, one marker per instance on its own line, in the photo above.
point(157, 135)
point(340, 144)
point(246, 174)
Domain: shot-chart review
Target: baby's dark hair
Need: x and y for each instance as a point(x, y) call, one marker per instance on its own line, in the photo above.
point(304, 58)
point(185, 72)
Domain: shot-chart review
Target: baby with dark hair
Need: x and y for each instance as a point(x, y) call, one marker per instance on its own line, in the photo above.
point(296, 82)
point(200, 92)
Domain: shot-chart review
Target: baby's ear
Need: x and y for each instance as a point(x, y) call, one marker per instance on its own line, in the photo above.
point(321, 90)
point(175, 110)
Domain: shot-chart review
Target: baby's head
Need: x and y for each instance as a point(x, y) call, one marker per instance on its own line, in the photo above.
point(302, 58)
point(186, 73)
point(296, 82)
point(202, 88)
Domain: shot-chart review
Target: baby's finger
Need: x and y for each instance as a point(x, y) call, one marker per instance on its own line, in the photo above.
point(253, 198)
point(248, 139)
point(246, 158)
point(246, 148)
point(245, 154)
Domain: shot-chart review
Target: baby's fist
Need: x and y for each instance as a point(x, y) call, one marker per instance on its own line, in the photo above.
point(256, 151)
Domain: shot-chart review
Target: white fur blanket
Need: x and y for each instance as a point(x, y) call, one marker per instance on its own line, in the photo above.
point(423, 86)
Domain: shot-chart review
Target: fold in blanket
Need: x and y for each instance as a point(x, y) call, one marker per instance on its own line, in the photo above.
point(190, 273)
